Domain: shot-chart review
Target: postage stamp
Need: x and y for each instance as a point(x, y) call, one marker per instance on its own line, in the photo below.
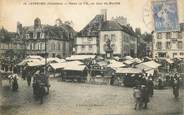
point(165, 15)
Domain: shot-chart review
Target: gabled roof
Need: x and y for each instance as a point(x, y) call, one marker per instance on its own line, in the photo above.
point(111, 26)
point(61, 31)
point(93, 27)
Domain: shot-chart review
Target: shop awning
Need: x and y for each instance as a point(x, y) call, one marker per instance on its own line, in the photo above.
point(115, 64)
point(81, 57)
point(128, 70)
point(34, 57)
point(65, 64)
point(57, 60)
point(128, 58)
point(75, 68)
point(128, 62)
point(148, 65)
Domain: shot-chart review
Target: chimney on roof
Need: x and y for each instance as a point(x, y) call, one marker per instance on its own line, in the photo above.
point(104, 13)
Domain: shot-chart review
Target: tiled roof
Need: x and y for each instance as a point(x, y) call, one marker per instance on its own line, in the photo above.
point(93, 27)
point(61, 31)
point(114, 26)
point(110, 26)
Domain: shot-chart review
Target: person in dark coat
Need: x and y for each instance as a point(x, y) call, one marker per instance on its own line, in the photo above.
point(112, 79)
point(41, 93)
point(29, 79)
point(144, 96)
point(160, 83)
point(150, 87)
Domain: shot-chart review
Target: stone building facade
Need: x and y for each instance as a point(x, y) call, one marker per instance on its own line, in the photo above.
point(39, 39)
point(169, 44)
point(92, 39)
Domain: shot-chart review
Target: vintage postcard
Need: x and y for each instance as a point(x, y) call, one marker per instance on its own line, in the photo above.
point(91, 57)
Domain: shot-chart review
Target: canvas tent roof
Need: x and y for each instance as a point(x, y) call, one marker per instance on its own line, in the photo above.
point(137, 60)
point(148, 65)
point(55, 59)
point(115, 64)
point(35, 63)
point(75, 67)
point(34, 57)
point(25, 61)
point(128, 70)
point(128, 58)
point(65, 64)
point(128, 62)
point(80, 57)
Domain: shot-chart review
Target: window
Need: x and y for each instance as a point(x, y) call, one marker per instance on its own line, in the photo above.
point(161, 54)
point(38, 35)
point(30, 46)
point(31, 35)
point(27, 36)
point(159, 35)
point(181, 53)
point(83, 47)
point(180, 45)
point(105, 37)
point(90, 47)
point(168, 35)
point(180, 35)
point(159, 45)
point(34, 46)
point(59, 46)
point(38, 46)
point(168, 45)
point(53, 46)
point(34, 36)
point(174, 35)
point(175, 54)
point(90, 39)
point(113, 37)
point(41, 46)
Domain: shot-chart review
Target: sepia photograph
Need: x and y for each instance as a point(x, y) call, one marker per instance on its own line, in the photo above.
point(91, 57)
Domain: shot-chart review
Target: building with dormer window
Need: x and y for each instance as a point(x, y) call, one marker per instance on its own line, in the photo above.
point(57, 40)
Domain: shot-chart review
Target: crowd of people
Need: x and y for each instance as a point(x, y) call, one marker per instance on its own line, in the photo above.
point(145, 89)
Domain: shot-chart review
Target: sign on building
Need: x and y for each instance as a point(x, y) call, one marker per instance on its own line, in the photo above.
point(165, 15)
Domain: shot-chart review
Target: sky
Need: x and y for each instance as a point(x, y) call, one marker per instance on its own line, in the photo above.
point(12, 11)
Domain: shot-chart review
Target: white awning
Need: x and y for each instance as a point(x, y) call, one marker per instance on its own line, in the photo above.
point(35, 63)
point(115, 64)
point(34, 57)
point(137, 60)
point(128, 58)
point(75, 68)
point(128, 62)
point(25, 61)
point(57, 65)
point(65, 64)
point(81, 57)
point(128, 70)
point(148, 65)
point(55, 60)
